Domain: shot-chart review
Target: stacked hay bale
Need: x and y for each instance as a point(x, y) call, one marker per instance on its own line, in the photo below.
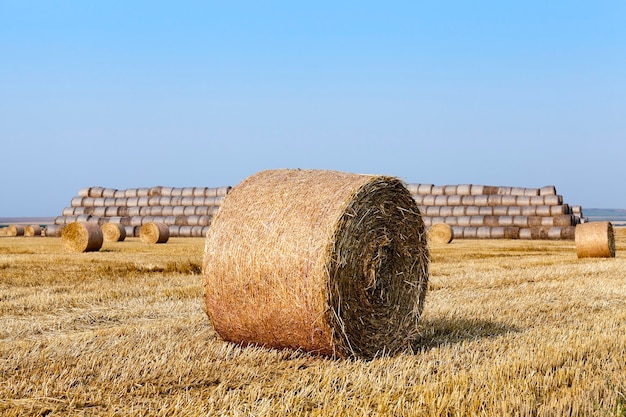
point(497, 212)
point(187, 211)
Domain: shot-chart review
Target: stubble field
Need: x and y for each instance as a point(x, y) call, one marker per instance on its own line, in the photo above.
point(509, 328)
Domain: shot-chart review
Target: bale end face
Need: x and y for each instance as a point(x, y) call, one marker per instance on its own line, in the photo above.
point(440, 233)
point(113, 232)
point(326, 262)
point(153, 232)
point(80, 237)
point(595, 240)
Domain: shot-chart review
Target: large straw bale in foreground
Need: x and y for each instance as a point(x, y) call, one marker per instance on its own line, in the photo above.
point(323, 261)
point(154, 232)
point(595, 240)
point(82, 237)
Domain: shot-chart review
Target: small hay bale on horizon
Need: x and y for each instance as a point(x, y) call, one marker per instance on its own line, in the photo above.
point(81, 237)
point(113, 232)
point(153, 232)
point(326, 262)
point(32, 230)
point(440, 233)
point(14, 230)
point(595, 240)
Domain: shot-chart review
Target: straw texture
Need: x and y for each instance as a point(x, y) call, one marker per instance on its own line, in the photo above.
point(327, 262)
point(440, 233)
point(595, 240)
point(32, 230)
point(82, 237)
point(15, 230)
point(113, 232)
point(153, 232)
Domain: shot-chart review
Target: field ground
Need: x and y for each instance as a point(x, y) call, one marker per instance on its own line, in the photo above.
point(509, 328)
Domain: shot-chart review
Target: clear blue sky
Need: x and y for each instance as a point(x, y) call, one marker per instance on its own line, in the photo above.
point(125, 94)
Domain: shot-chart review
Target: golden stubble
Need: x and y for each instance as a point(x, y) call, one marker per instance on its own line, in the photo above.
point(508, 328)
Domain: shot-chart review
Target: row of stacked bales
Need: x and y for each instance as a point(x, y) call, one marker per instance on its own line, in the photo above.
point(472, 211)
point(187, 211)
point(497, 212)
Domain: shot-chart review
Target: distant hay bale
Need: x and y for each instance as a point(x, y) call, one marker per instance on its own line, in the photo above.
point(463, 189)
point(32, 230)
point(334, 264)
point(53, 230)
point(113, 232)
point(440, 233)
point(547, 190)
point(595, 240)
point(152, 232)
point(82, 237)
point(14, 230)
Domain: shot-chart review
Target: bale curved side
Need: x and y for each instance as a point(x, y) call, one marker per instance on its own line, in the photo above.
point(14, 230)
point(154, 232)
point(595, 240)
point(32, 230)
point(82, 237)
point(327, 262)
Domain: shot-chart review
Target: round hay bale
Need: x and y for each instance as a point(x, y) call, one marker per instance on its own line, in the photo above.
point(428, 200)
point(184, 231)
point(500, 211)
point(14, 230)
point(470, 232)
point(440, 233)
point(595, 240)
point(113, 232)
point(503, 190)
point(450, 189)
point(335, 263)
point(445, 211)
point(458, 211)
point(53, 230)
point(437, 189)
point(120, 194)
point(463, 189)
point(153, 232)
point(547, 190)
point(82, 237)
point(425, 189)
point(441, 200)
point(496, 200)
point(108, 192)
point(483, 232)
point(476, 189)
point(412, 187)
point(485, 211)
point(32, 230)
point(455, 200)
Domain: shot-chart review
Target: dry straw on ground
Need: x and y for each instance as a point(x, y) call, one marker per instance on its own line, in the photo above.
point(323, 261)
point(113, 232)
point(595, 240)
point(440, 233)
point(15, 230)
point(153, 232)
point(82, 237)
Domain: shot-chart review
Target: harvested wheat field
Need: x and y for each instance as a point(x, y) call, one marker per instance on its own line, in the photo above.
point(509, 328)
